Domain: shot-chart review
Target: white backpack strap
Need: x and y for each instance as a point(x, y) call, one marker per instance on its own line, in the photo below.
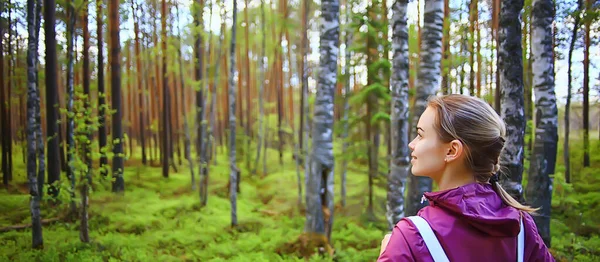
point(521, 242)
point(431, 241)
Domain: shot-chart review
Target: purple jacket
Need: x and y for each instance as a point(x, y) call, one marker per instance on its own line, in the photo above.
point(472, 224)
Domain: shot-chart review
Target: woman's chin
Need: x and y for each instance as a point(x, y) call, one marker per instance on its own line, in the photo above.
point(419, 173)
point(416, 172)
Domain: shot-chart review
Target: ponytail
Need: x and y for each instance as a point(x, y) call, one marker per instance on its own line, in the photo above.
point(509, 200)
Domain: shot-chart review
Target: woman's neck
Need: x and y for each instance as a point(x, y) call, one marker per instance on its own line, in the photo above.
point(455, 178)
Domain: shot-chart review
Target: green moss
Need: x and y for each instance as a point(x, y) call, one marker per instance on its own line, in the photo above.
point(159, 219)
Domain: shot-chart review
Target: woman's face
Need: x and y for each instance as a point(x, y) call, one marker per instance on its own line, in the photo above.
point(428, 151)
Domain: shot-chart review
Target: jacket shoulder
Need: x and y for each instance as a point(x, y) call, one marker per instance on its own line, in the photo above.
point(406, 244)
point(535, 248)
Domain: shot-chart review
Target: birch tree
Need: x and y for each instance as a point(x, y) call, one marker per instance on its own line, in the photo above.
point(233, 175)
point(33, 100)
point(400, 160)
point(543, 158)
point(319, 188)
point(510, 65)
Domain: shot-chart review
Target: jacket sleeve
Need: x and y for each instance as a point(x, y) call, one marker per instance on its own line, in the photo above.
point(397, 248)
point(535, 249)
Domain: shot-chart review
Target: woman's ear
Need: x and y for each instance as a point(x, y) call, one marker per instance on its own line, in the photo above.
point(455, 150)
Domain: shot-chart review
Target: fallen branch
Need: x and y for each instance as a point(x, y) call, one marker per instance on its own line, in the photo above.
point(24, 226)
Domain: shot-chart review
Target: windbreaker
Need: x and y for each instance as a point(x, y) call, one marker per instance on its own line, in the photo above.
point(472, 224)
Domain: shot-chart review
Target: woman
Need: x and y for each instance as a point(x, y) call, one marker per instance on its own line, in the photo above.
point(458, 143)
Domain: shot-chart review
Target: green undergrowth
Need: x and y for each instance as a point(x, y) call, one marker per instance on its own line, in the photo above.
point(160, 219)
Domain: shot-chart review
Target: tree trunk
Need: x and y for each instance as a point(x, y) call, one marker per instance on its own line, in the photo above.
point(446, 66)
point(400, 161)
point(70, 104)
point(261, 89)
point(33, 19)
point(498, 96)
point(118, 184)
point(217, 81)
point(586, 88)
point(201, 113)
point(248, 108)
point(3, 114)
point(348, 38)
point(427, 85)
point(102, 141)
point(472, 23)
point(511, 85)
point(463, 46)
point(51, 98)
point(166, 150)
point(543, 159)
point(186, 130)
point(40, 135)
point(234, 172)
point(140, 91)
point(319, 189)
point(84, 235)
point(9, 115)
point(372, 129)
point(566, 157)
point(479, 63)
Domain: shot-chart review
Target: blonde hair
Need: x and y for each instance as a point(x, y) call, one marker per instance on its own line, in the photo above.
point(474, 123)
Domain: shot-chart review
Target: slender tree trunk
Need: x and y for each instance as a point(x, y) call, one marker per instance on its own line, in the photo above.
point(234, 172)
point(40, 135)
point(102, 141)
point(479, 63)
point(118, 184)
point(140, 90)
point(498, 96)
point(166, 149)
point(261, 89)
point(427, 85)
point(33, 19)
point(348, 40)
point(319, 189)
point(566, 157)
point(3, 114)
point(248, 85)
point(9, 115)
point(543, 159)
point(472, 23)
point(511, 85)
point(200, 125)
point(183, 89)
point(586, 89)
point(51, 98)
point(400, 161)
point(446, 66)
point(372, 130)
point(215, 90)
point(84, 235)
point(463, 46)
point(70, 104)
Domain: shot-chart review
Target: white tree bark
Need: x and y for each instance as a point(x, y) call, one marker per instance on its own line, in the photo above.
point(400, 161)
point(510, 64)
point(233, 175)
point(319, 188)
point(543, 159)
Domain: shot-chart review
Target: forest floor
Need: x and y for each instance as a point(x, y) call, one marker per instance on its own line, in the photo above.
point(159, 219)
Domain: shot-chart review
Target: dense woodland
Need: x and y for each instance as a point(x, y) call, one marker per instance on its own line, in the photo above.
point(278, 130)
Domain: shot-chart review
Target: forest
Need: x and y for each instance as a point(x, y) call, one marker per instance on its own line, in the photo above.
point(255, 130)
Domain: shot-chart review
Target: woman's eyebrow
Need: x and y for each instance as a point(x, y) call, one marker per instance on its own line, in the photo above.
point(418, 128)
